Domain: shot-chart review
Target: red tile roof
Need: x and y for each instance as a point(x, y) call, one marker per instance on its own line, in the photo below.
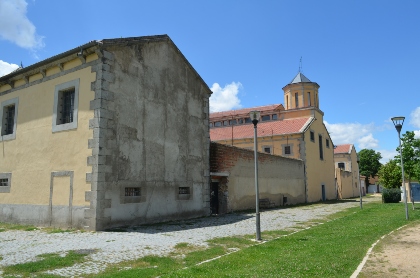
point(246, 110)
point(270, 128)
point(346, 148)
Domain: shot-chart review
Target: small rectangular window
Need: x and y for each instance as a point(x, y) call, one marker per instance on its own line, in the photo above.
point(232, 122)
point(225, 123)
point(66, 99)
point(274, 116)
point(9, 119)
point(216, 124)
point(240, 121)
point(287, 150)
point(297, 100)
point(5, 182)
point(341, 165)
point(327, 143)
point(248, 120)
point(312, 136)
point(132, 192)
point(66, 109)
point(309, 98)
point(183, 190)
point(265, 118)
point(267, 149)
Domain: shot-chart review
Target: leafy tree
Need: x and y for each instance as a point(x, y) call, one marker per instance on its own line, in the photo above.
point(369, 163)
point(410, 148)
point(390, 174)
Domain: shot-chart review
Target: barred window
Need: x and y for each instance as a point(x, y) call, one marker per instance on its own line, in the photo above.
point(183, 190)
point(4, 182)
point(132, 191)
point(287, 150)
point(9, 119)
point(66, 106)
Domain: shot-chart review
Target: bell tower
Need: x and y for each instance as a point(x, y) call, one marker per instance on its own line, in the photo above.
point(301, 93)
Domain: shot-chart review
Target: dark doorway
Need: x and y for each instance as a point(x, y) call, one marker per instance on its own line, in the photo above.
point(323, 192)
point(214, 198)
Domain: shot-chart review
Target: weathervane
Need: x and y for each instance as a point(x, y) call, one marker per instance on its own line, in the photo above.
point(300, 64)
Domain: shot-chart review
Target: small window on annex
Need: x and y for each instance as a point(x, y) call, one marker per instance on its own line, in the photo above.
point(341, 165)
point(274, 117)
point(312, 136)
point(232, 122)
point(267, 149)
point(327, 143)
point(8, 119)
point(133, 195)
point(287, 150)
point(66, 100)
point(217, 124)
point(184, 193)
point(240, 121)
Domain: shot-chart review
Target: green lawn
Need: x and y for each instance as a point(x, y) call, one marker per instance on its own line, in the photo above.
point(332, 249)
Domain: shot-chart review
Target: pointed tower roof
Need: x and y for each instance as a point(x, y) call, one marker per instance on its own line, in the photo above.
point(300, 78)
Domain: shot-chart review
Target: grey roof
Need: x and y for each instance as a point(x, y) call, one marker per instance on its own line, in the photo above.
point(300, 78)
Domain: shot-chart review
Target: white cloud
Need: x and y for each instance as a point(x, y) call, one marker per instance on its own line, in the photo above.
point(6, 68)
point(16, 27)
point(368, 142)
point(350, 133)
point(387, 155)
point(415, 117)
point(417, 134)
point(225, 98)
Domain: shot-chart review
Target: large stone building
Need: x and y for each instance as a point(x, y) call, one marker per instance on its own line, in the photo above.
point(110, 133)
point(295, 130)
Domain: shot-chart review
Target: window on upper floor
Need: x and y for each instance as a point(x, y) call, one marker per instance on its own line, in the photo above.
point(309, 98)
point(321, 151)
point(265, 118)
point(274, 117)
point(248, 120)
point(240, 121)
point(8, 119)
point(66, 101)
point(232, 122)
point(287, 150)
point(327, 143)
point(341, 165)
point(297, 100)
point(312, 136)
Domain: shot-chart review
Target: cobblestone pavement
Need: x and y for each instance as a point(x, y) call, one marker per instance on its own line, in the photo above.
point(114, 247)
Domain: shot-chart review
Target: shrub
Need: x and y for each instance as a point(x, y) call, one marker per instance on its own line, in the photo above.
point(391, 195)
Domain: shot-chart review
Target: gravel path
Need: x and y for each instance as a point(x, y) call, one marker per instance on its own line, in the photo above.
point(114, 247)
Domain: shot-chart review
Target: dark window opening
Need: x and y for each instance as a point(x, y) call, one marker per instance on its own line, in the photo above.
point(132, 191)
point(275, 117)
point(287, 150)
point(321, 151)
point(265, 118)
point(341, 165)
point(232, 122)
point(218, 124)
point(297, 100)
point(4, 182)
point(240, 121)
point(66, 98)
point(183, 190)
point(225, 123)
point(267, 149)
point(9, 117)
point(327, 143)
point(312, 136)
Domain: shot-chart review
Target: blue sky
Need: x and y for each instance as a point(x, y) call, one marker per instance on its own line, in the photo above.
point(363, 54)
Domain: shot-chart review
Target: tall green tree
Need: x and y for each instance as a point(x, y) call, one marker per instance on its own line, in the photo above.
point(390, 174)
point(410, 149)
point(369, 163)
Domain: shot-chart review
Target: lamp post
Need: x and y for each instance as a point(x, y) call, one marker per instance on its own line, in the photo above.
point(360, 184)
point(398, 123)
point(255, 117)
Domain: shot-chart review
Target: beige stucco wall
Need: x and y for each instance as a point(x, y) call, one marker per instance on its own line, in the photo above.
point(350, 186)
point(36, 151)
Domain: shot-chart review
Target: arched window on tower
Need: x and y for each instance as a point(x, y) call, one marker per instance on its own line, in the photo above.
point(287, 102)
point(309, 98)
point(296, 100)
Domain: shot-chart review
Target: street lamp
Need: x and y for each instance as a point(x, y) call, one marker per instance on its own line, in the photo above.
point(398, 123)
point(255, 117)
point(360, 184)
